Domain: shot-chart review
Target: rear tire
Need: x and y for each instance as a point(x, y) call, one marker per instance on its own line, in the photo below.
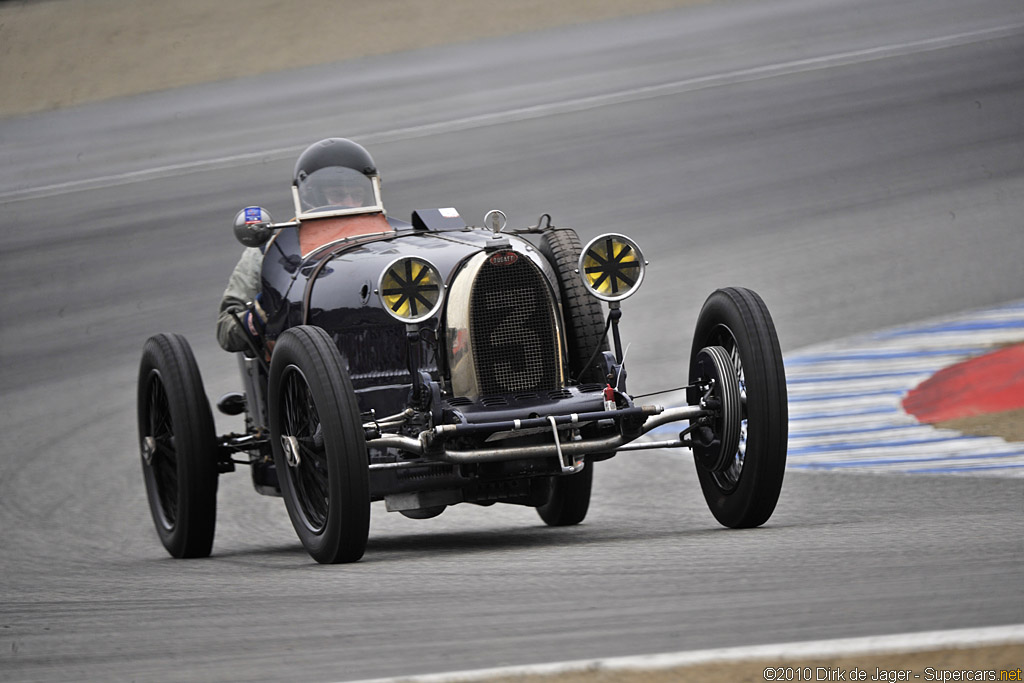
point(179, 447)
point(319, 446)
point(744, 492)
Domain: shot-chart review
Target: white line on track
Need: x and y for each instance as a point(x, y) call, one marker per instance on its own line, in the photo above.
point(870, 645)
point(734, 77)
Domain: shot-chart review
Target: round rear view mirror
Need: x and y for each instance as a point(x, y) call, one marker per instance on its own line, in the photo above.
point(253, 226)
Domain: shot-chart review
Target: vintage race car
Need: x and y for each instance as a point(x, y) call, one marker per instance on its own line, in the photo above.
point(440, 363)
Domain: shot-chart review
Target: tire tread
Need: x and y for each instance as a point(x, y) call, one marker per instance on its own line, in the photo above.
point(328, 377)
point(195, 441)
point(757, 493)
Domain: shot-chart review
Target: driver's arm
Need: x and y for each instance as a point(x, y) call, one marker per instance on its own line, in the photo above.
point(243, 287)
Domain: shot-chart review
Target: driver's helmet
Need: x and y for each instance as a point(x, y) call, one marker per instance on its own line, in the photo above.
point(336, 175)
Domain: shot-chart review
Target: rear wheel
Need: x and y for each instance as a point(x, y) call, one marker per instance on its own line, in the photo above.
point(743, 488)
point(178, 444)
point(584, 332)
point(319, 446)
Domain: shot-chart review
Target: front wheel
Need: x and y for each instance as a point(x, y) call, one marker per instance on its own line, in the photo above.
point(569, 499)
point(179, 447)
point(742, 489)
point(319, 446)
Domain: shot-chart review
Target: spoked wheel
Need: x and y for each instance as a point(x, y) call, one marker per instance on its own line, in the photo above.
point(319, 446)
point(570, 494)
point(743, 488)
point(716, 439)
point(178, 444)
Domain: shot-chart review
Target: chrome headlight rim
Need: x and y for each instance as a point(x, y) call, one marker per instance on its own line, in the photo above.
point(410, 291)
point(631, 275)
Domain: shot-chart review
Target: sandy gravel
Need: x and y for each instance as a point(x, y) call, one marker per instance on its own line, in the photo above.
point(56, 53)
point(1009, 425)
point(933, 665)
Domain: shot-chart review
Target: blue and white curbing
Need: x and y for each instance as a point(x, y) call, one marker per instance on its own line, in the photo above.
point(845, 399)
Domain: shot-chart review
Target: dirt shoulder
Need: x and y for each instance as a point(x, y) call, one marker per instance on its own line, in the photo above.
point(1008, 425)
point(58, 53)
point(951, 664)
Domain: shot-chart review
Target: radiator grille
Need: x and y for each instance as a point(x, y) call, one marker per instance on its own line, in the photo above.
point(512, 324)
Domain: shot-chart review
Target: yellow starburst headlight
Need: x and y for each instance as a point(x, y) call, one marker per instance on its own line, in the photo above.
point(612, 267)
point(411, 289)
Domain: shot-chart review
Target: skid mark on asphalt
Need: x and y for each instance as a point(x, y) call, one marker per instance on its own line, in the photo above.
point(845, 399)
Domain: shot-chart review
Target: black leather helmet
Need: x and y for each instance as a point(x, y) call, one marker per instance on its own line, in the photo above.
point(336, 175)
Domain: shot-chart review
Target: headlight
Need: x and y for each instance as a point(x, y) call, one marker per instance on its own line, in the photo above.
point(612, 267)
point(411, 289)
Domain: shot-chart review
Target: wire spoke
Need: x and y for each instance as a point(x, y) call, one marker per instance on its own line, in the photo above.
point(310, 478)
point(163, 462)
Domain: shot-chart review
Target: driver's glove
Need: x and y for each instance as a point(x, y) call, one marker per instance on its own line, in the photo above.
point(255, 318)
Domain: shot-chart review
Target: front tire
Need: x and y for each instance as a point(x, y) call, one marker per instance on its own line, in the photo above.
point(179, 448)
point(319, 446)
point(743, 491)
point(570, 498)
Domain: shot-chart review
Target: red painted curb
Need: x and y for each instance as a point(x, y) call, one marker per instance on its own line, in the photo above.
point(992, 383)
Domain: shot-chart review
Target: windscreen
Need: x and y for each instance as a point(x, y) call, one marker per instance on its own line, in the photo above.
point(335, 187)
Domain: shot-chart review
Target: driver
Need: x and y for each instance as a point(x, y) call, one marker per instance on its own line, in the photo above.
point(336, 190)
point(333, 188)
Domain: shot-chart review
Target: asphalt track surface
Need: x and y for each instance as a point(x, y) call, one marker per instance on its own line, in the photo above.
point(860, 164)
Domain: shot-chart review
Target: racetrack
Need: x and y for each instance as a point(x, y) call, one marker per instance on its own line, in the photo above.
point(860, 164)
